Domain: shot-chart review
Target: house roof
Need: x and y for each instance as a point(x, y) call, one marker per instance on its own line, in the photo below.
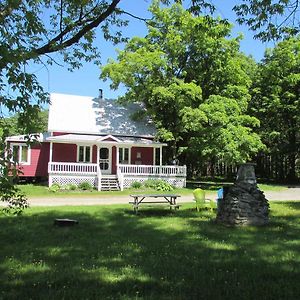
point(90, 115)
point(93, 139)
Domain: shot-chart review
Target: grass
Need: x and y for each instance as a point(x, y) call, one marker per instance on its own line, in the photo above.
point(114, 254)
point(39, 190)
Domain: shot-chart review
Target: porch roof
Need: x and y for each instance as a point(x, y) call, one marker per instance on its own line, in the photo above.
point(92, 139)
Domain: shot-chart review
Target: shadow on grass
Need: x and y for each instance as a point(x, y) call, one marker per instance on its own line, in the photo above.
point(115, 254)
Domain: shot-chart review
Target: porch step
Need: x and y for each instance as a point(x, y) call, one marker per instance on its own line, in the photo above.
point(109, 184)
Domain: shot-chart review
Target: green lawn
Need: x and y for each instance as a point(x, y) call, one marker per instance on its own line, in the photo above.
point(37, 190)
point(114, 254)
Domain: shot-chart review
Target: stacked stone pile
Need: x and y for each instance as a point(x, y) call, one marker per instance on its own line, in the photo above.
point(244, 203)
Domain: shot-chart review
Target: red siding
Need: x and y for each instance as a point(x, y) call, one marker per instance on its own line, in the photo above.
point(39, 157)
point(64, 153)
point(94, 154)
point(59, 133)
point(146, 155)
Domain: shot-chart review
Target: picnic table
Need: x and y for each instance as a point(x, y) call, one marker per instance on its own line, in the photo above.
point(153, 199)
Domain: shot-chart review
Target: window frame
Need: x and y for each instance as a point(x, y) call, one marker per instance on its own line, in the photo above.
point(122, 151)
point(84, 153)
point(21, 146)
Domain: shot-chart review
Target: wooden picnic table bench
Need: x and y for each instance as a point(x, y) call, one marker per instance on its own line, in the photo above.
point(139, 199)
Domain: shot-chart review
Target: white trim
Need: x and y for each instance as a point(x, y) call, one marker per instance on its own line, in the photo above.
point(84, 153)
point(51, 152)
point(108, 137)
point(109, 170)
point(117, 156)
point(123, 154)
point(160, 156)
point(21, 145)
point(71, 138)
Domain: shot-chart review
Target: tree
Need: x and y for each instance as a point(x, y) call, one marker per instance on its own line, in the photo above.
point(192, 80)
point(27, 36)
point(270, 20)
point(276, 103)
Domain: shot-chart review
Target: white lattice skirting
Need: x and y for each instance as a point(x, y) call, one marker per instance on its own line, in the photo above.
point(177, 182)
point(65, 180)
point(62, 180)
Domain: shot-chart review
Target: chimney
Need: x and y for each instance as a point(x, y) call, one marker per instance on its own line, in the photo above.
point(100, 93)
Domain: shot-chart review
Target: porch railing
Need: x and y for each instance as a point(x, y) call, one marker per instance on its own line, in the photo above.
point(72, 168)
point(176, 171)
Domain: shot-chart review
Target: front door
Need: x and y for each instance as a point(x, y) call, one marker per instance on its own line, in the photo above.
point(105, 160)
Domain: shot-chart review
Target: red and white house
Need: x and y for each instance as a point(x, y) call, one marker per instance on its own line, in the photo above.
point(95, 140)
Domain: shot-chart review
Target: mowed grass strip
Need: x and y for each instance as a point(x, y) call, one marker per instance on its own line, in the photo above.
point(114, 254)
point(42, 190)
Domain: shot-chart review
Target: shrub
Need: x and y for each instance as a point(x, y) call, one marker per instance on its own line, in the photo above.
point(70, 187)
point(159, 185)
point(150, 183)
point(136, 185)
point(85, 186)
point(55, 187)
point(164, 186)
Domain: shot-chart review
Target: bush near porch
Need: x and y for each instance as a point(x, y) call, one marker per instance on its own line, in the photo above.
point(114, 254)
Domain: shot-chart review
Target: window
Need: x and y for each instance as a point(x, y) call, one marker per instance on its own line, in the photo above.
point(124, 155)
point(20, 153)
point(84, 153)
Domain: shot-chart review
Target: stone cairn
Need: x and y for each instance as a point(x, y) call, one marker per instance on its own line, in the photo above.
point(243, 203)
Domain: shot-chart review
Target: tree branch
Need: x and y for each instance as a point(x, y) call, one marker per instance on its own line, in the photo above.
point(135, 17)
point(51, 45)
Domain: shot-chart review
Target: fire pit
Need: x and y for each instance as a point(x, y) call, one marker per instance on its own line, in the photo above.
point(243, 202)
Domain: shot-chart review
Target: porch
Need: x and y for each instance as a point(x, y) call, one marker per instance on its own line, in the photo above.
point(64, 173)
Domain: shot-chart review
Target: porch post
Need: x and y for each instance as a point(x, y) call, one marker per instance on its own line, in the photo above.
point(51, 152)
point(50, 161)
point(97, 162)
point(129, 155)
point(160, 156)
point(117, 156)
point(154, 155)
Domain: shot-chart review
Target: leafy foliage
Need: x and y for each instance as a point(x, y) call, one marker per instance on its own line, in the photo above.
point(85, 186)
point(55, 187)
point(159, 185)
point(194, 83)
point(14, 199)
point(30, 33)
point(276, 103)
point(270, 19)
point(136, 185)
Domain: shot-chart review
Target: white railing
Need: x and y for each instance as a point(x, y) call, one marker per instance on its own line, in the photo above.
point(176, 171)
point(72, 168)
point(99, 176)
point(120, 179)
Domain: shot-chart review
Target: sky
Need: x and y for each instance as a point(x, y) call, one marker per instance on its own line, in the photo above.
point(86, 82)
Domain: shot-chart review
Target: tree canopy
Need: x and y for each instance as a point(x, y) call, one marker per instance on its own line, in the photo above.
point(31, 32)
point(193, 81)
point(276, 103)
